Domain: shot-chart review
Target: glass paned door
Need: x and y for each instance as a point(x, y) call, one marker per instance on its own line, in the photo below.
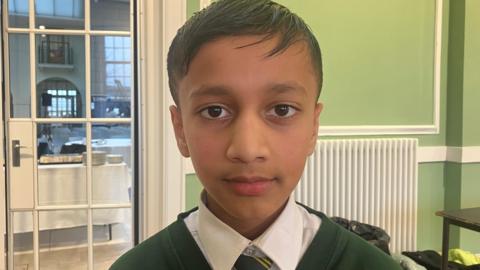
point(70, 165)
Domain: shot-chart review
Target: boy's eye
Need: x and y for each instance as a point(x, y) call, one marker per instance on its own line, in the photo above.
point(282, 111)
point(214, 112)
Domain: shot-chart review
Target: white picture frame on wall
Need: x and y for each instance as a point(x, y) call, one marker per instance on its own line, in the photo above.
point(425, 129)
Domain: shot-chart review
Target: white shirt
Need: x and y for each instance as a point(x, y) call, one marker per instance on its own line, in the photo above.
point(284, 242)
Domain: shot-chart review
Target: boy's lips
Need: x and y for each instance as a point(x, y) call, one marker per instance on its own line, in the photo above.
point(249, 186)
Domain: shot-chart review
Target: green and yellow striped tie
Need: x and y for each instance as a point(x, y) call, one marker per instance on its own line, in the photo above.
point(245, 262)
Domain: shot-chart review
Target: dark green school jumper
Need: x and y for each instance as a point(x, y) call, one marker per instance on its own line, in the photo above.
point(332, 248)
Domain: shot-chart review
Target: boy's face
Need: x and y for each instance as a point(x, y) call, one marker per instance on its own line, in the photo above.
point(248, 122)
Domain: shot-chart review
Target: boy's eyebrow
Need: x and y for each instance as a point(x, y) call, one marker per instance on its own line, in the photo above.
point(280, 88)
point(209, 90)
point(221, 90)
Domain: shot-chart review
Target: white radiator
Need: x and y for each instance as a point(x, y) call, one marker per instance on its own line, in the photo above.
point(369, 180)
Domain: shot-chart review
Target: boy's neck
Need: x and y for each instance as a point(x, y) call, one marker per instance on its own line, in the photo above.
point(250, 229)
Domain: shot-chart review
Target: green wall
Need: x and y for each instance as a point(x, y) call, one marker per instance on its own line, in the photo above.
point(192, 7)
point(462, 180)
point(455, 73)
point(192, 191)
point(470, 188)
point(471, 83)
point(382, 73)
point(430, 199)
point(453, 196)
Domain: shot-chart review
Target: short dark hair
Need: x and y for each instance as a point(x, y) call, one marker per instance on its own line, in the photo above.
point(225, 18)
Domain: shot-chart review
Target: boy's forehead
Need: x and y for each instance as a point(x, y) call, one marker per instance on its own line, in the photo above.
point(261, 43)
point(215, 57)
point(247, 49)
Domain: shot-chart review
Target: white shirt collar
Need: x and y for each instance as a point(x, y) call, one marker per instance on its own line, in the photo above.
point(281, 242)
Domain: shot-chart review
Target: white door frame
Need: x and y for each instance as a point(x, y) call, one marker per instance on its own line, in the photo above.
point(161, 173)
point(3, 211)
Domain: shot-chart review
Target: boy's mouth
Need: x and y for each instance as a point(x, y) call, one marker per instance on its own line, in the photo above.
point(249, 186)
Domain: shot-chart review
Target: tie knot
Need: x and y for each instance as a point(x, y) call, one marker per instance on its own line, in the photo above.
point(246, 262)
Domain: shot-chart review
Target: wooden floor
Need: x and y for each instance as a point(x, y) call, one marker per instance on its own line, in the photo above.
point(73, 258)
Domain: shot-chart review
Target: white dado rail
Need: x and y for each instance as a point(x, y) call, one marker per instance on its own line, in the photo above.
point(466, 154)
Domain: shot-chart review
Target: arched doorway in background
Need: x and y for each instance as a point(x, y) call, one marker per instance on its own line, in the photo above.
point(58, 97)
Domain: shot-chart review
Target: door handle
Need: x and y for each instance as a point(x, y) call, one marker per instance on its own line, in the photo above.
point(16, 152)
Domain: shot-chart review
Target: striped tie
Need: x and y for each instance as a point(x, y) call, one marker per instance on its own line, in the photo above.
point(245, 262)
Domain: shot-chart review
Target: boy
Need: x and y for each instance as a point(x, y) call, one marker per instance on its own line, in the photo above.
point(245, 76)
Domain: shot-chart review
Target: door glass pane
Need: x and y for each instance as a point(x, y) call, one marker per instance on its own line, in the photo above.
point(59, 14)
point(110, 15)
point(22, 240)
point(61, 174)
point(18, 13)
point(111, 160)
point(59, 92)
point(112, 235)
point(63, 239)
point(111, 76)
point(19, 58)
point(60, 80)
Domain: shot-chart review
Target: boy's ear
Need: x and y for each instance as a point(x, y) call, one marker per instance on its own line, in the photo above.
point(313, 139)
point(177, 123)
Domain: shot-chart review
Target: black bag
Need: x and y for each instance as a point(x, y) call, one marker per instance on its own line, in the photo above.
point(374, 235)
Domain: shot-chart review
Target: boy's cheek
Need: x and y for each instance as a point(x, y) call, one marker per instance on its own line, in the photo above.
point(301, 141)
point(204, 148)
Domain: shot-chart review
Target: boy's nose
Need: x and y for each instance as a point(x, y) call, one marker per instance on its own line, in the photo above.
point(248, 140)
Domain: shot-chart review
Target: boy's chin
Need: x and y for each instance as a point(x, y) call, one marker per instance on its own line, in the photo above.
point(254, 210)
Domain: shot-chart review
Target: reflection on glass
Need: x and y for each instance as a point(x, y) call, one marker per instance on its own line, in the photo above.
point(63, 239)
point(61, 174)
point(110, 15)
point(111, 76)
point(18, 13)
point(112, 235)
point(60, 78)
point(111, 161)
point(59, 14)
point(22, 240)
point(19, 58)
